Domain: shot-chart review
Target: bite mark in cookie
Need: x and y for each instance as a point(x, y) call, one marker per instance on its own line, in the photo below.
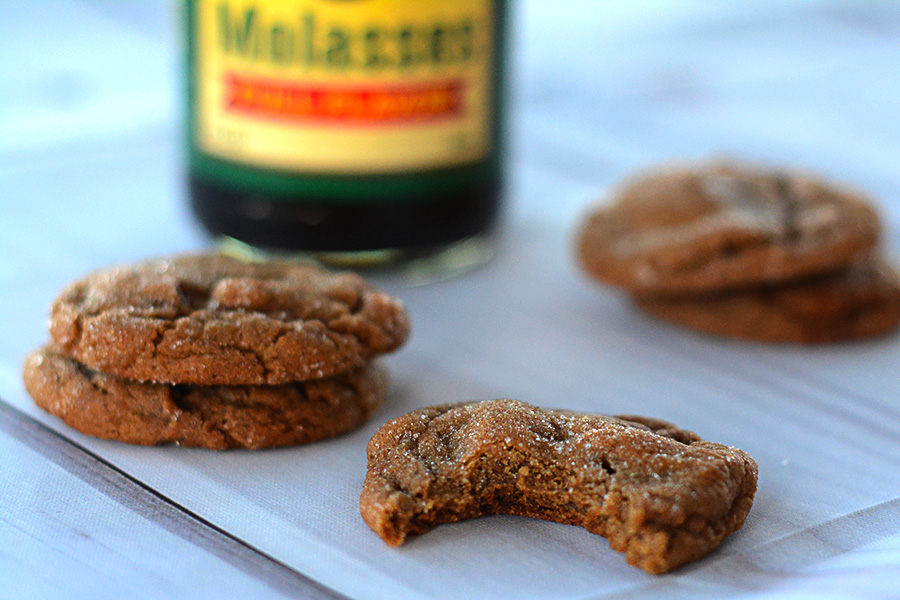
point(658, 493)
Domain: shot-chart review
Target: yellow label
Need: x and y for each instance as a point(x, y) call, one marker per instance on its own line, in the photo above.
point(344, 86)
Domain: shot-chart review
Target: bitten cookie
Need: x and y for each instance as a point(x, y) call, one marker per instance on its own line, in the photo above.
point(860, 302)
point(658, 493)
point(722, 226)
point(210, 319)
point(214, 417)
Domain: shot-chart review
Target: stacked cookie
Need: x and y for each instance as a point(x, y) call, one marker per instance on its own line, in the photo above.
point(209, 351)
point(746, 252)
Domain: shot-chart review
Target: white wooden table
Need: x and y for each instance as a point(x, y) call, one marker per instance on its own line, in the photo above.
point(91, 174)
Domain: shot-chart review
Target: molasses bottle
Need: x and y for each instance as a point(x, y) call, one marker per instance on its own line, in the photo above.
point(351, 131)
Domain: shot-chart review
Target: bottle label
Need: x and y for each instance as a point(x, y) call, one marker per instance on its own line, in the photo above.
point(344, 86)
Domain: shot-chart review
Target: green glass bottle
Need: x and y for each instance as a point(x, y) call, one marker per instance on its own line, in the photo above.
point(352, 131)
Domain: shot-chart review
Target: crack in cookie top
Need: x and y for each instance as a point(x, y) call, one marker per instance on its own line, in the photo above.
point(724, 226)
point(210, 319)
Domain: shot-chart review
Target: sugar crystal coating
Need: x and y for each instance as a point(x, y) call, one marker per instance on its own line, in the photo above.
point(209, 319)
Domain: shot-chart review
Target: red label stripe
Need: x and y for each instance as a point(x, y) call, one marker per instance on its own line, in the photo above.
point(284, 100)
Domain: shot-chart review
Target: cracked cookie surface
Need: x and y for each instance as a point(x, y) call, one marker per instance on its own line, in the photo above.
point(214, 320)
point(721, 226)
point(213, 417)
point(658, 493)
point(860, 302)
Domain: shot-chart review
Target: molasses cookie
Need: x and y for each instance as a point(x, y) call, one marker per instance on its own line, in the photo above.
point(214, 320)
point(723, 226)
point(214, 417)
point(658, 493)
point(860, 302)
